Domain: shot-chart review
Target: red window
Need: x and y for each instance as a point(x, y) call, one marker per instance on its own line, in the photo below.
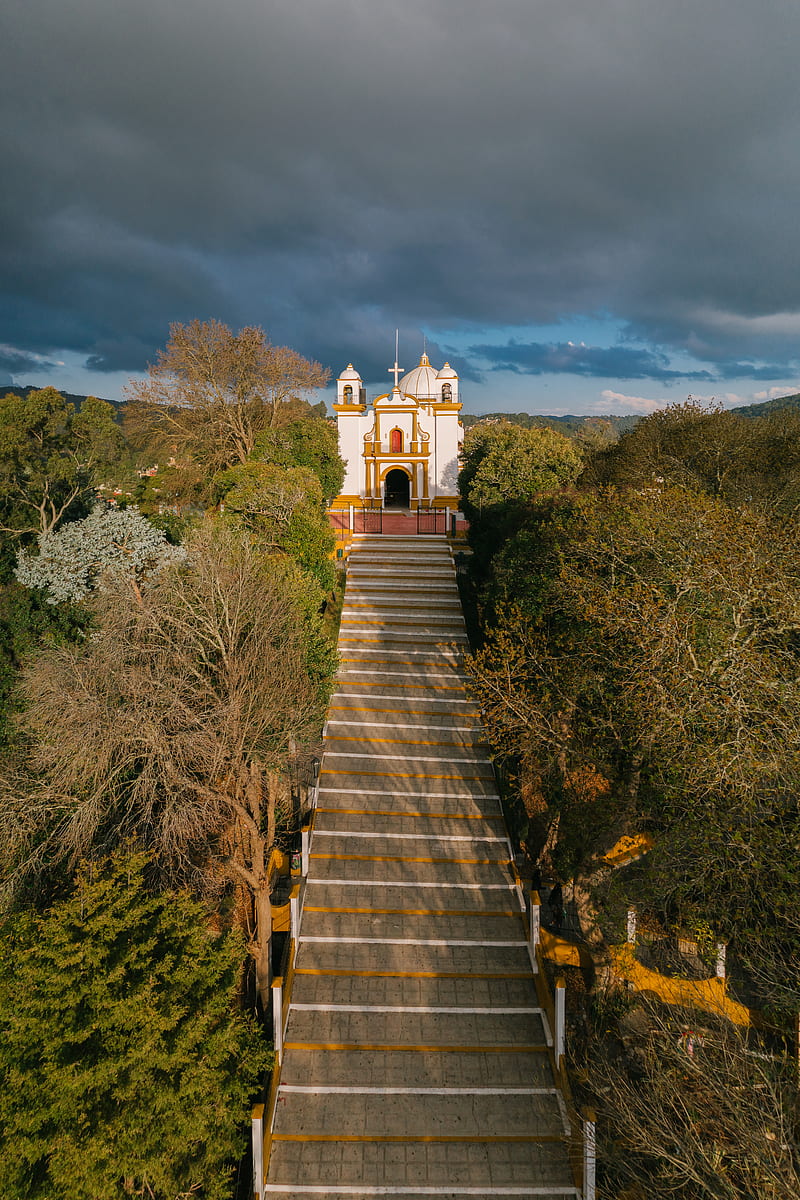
point(396, 441)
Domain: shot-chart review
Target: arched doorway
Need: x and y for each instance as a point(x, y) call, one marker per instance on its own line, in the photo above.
point(396, 489)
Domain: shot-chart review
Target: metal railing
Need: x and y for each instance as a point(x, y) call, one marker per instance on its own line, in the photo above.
point(369, 520)
point(431, 520)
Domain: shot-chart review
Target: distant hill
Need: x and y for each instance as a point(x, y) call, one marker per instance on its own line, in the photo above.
point(569, 424)
point(573, 426)
point(770, 406)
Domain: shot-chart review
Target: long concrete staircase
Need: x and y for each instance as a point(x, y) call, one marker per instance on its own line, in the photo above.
point(417, 1058)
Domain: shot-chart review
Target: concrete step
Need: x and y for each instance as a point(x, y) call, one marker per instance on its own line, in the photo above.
point(401, 634)
point(415, 926)
point(415, 786)
point(442, 1113)
point(389, 589)
point(376, 870)
point(463, 739)
point(327, 823)
point(472, 959)
point(419, 546)
point(465, 1170)
point(324, 1026)
point(389, 801)
point(418, 1068)
point(466, 992)
point(401, 619)
point(394, 898)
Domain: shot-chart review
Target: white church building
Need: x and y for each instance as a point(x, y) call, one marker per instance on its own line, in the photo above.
point(402, 449)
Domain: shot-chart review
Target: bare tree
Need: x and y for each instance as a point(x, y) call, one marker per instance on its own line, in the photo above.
point(694, 1109)
point(175, 722)
point(211, 392)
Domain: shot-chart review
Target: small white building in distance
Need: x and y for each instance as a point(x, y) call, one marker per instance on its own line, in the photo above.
point(402, 450)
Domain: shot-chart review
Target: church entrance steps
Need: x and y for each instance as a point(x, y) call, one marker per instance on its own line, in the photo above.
point(417, 1057)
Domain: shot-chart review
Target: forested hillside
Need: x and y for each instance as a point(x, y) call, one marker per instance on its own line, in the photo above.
point(610, 426)
point(165, 670)
point(639, 676)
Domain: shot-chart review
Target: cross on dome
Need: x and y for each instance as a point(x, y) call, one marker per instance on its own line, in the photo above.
point(395, 370)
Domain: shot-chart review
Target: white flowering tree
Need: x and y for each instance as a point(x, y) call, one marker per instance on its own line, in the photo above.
point(107, 547)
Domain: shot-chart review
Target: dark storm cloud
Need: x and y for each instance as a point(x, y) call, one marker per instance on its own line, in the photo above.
point(13, 361)
point(336, 168)
point(608, 362)
point(567, 358)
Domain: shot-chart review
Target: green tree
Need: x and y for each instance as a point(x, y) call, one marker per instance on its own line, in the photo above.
point(211, 393)
point(311, 442)
point(125, 1068)
point(504, 463)
point(651, 647)
point(744, 460)
point(283, 508)
point(50, 458)
point(109, 547)
point(26, 621)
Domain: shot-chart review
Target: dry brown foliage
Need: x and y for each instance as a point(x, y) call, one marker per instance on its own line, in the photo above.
point(694, 1112)
point(175, 722)
point(211, 392)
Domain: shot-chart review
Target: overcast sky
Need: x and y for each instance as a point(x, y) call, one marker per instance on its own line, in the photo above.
point(586, 205)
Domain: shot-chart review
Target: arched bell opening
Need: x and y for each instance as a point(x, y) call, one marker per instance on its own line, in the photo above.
point(397, 489)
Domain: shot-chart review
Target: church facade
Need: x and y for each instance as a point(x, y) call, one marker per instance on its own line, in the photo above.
point(402, 449)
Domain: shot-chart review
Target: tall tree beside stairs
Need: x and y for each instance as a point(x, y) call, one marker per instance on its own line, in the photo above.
point(175, 723)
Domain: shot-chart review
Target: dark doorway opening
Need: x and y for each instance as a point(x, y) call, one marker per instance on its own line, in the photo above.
point(397, 489)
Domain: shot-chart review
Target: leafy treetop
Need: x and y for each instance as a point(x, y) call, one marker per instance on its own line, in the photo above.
point(310, 442)
point(110, 545)
point(50, 458)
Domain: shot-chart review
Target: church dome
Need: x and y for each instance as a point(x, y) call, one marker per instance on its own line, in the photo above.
point(350, 373)
point(421, 381)
point(447, 372)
